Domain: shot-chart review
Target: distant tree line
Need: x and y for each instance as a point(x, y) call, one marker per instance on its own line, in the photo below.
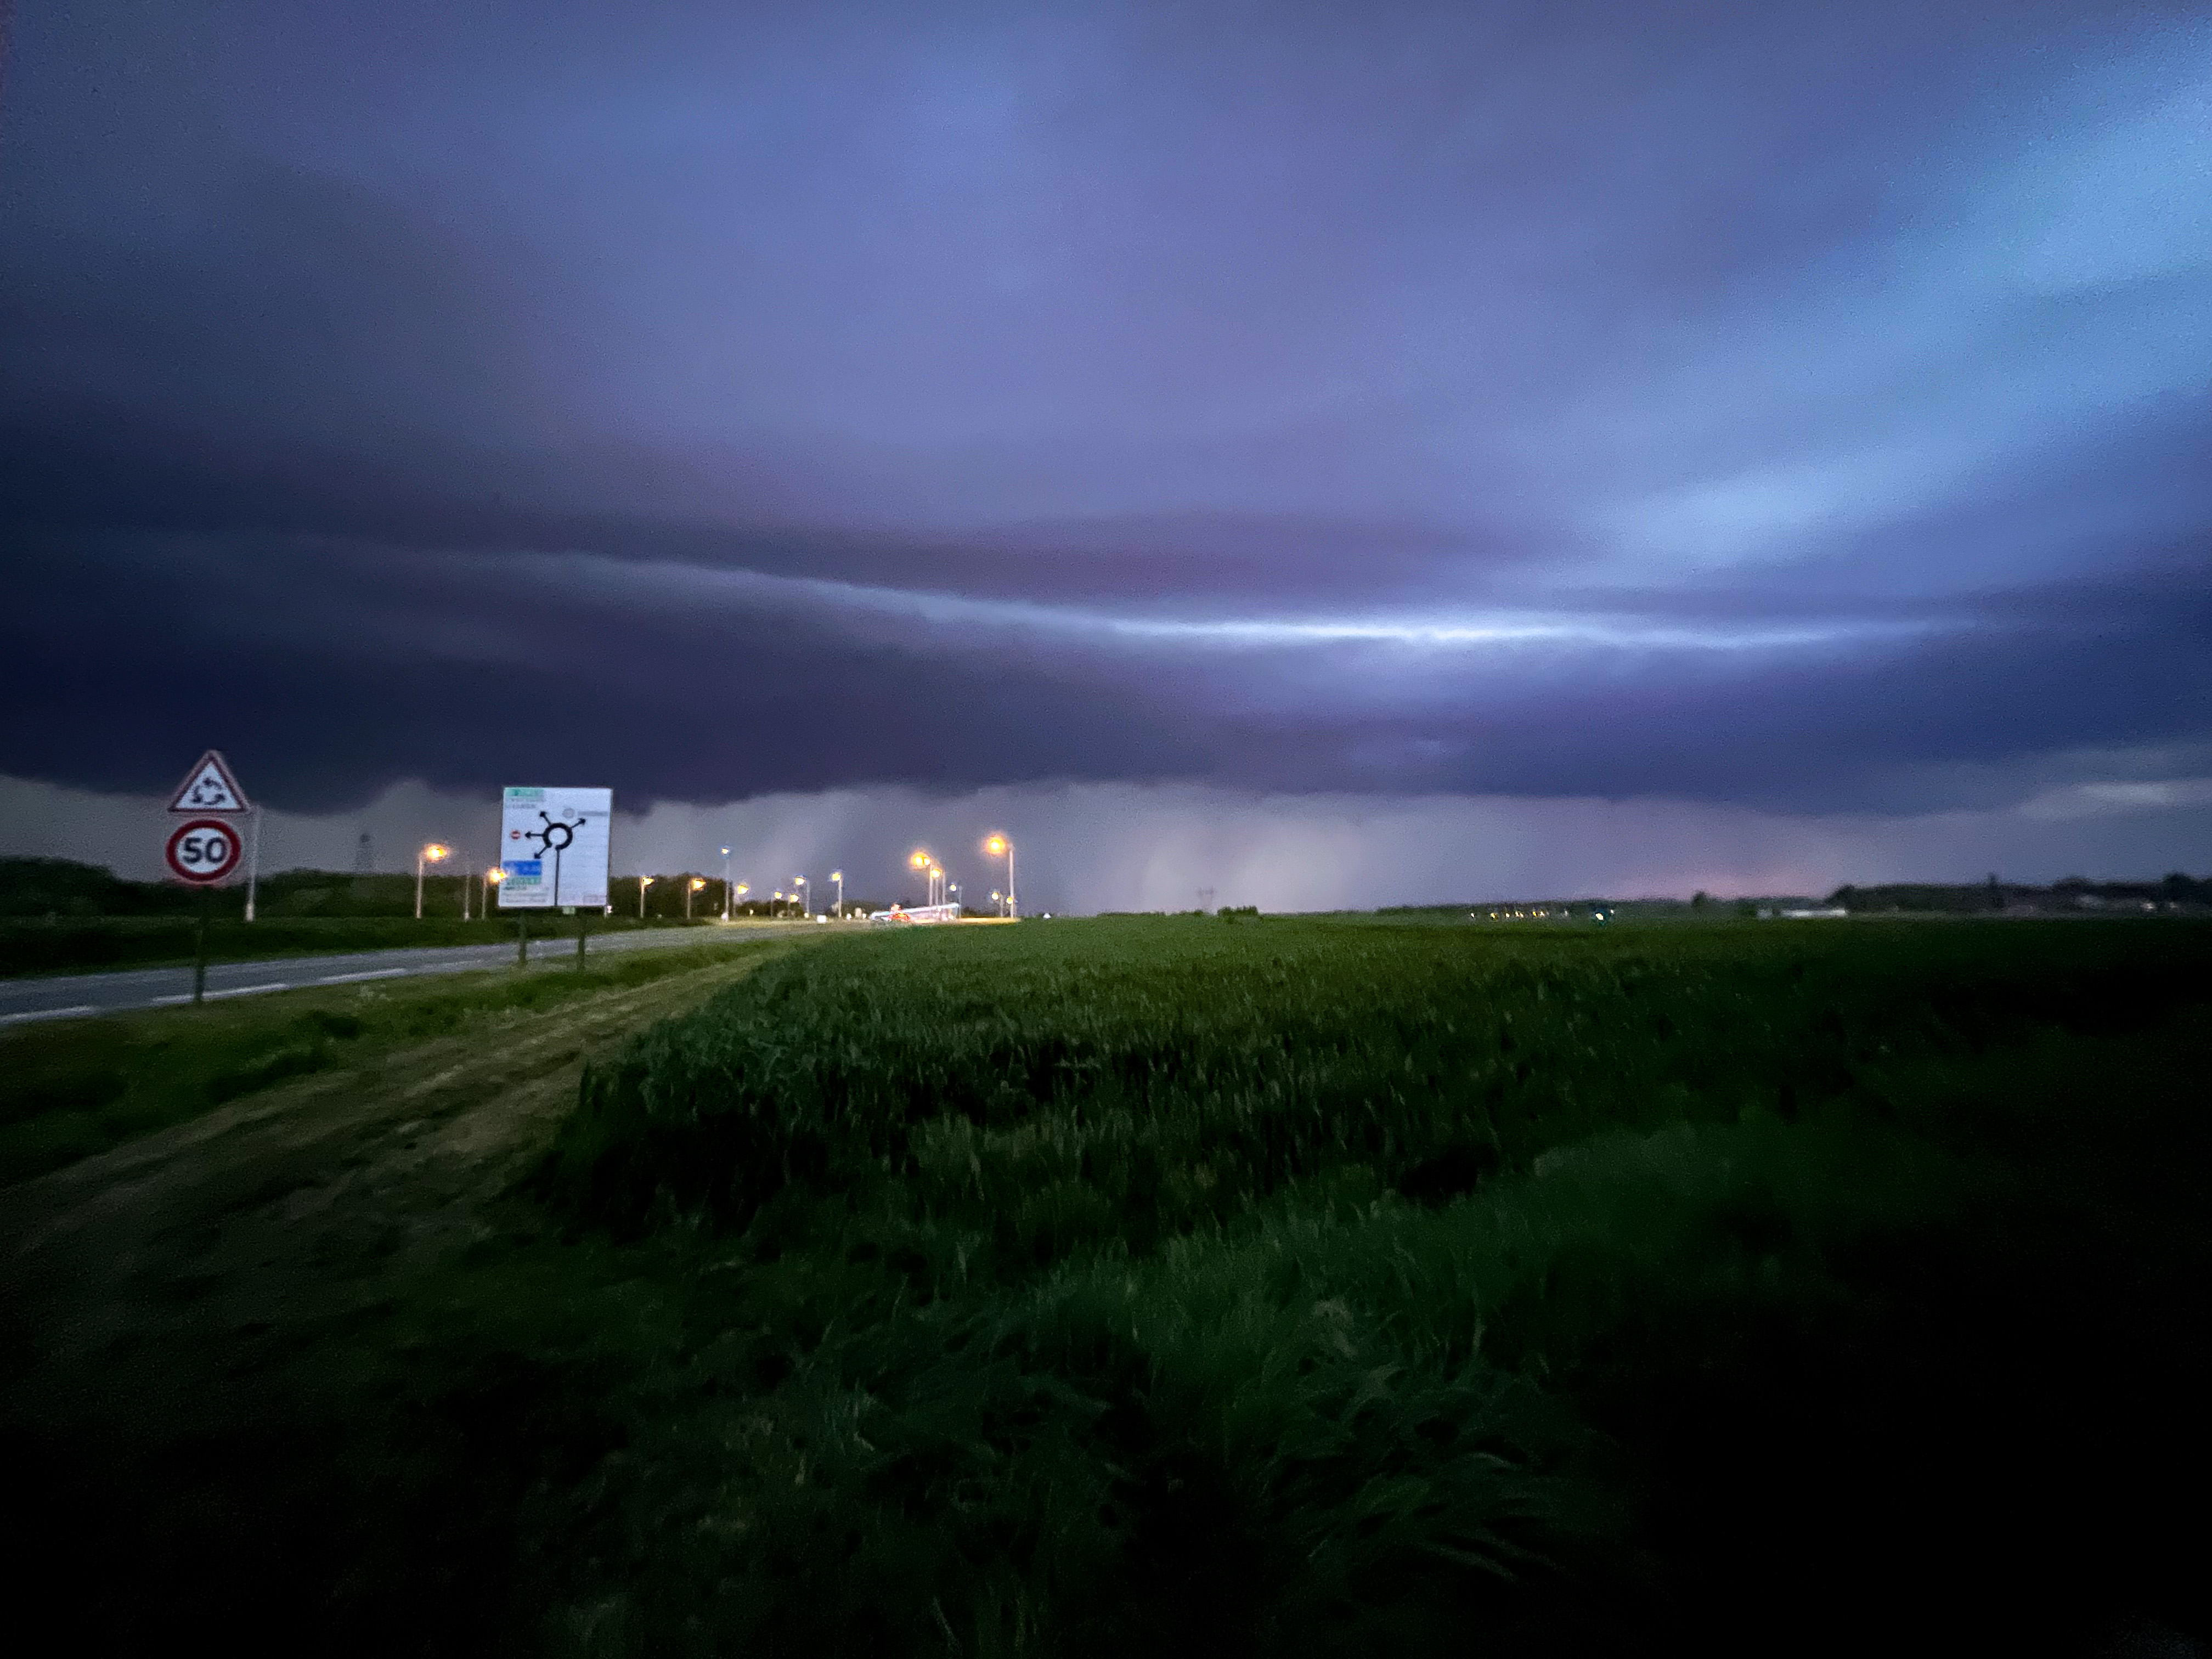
point(2074, 892)
point(64, 888)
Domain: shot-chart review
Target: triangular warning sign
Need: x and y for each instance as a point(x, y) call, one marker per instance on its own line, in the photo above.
point(210, 787)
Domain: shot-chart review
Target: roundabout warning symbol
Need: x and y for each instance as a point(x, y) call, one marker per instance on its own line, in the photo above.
point(554, 848)
point(202, 851)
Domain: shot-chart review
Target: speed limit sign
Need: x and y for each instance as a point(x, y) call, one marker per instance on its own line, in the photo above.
point(202, 851)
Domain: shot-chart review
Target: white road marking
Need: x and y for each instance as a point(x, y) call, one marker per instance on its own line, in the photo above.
point(240, 990)
point(374, 972)
point(48, 1013)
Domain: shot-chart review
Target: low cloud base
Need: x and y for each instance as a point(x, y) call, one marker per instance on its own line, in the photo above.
point(1085, 848)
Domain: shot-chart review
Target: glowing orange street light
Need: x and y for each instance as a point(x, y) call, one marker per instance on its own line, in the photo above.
point(999, 847)
point(493, 876)
point(643, 882)
point(697, 882)
point(430, 852)
point(923, 864)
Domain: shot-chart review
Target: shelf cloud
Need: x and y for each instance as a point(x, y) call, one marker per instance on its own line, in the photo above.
point(1787, 414)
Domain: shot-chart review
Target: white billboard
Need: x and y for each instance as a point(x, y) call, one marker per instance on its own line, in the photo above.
point(553, 848)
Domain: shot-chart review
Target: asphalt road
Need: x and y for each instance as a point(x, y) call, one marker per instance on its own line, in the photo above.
point(61, 996)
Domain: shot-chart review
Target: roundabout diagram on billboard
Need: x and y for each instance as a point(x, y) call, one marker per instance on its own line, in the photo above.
point(554, 846)
point(554, 838)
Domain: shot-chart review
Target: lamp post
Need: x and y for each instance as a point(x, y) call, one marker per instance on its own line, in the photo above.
point(726, 907)
point(838, 876)
point(1003, 847)
point(805, 897)
point(696, 883)
point(741, 891)
point(998, 902)
point(936, 884)
point(429, 852)
point(492, 877)
point(952, 895)
point(643, 882)
point(922, 863)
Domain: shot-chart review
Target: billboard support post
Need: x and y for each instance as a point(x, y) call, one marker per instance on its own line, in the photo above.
point(252, 862)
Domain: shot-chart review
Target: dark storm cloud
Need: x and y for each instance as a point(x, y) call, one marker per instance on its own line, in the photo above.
point(1798, 406)
point(339, 661)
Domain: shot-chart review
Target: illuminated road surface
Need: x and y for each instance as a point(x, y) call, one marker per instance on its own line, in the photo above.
point(62, 996)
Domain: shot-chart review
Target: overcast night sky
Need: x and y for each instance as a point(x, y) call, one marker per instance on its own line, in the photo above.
point(1329, 453)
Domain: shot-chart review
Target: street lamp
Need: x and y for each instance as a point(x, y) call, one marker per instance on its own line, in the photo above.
point(806, 899)
point(741, 891)
point(936, 884)
point(921, 862)
point(952, 895)
point(430, 852)
point(643, 882)
point(726, 884)
point(999, 847)
point(697, 882)
point(838, 876)
point(493, 876)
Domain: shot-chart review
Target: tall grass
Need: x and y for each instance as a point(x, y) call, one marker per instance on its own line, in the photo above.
point(1133, 1080)
point(1300, 1287)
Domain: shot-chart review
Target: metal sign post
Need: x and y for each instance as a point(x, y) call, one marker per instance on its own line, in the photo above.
point(201, 852)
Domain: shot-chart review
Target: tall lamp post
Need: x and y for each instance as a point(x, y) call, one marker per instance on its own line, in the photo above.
point(804, 895)
point(696, 883)
point(838, 876)
point(923, 864)
point(1002, 847)
point(741, 891)
point(429, 852)
point(726, 907)
point(643, 882)
point(492, 877)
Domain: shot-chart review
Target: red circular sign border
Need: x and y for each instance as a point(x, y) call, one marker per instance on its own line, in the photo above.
point(195, 878)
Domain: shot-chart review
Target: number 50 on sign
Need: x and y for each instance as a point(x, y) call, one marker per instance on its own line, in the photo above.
point(202, 851)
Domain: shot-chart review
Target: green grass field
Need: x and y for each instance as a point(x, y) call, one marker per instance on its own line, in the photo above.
point(1286, 1287)
point(1352, 1289)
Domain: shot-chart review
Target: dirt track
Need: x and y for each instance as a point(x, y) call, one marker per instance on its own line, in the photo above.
point(185, 1290)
